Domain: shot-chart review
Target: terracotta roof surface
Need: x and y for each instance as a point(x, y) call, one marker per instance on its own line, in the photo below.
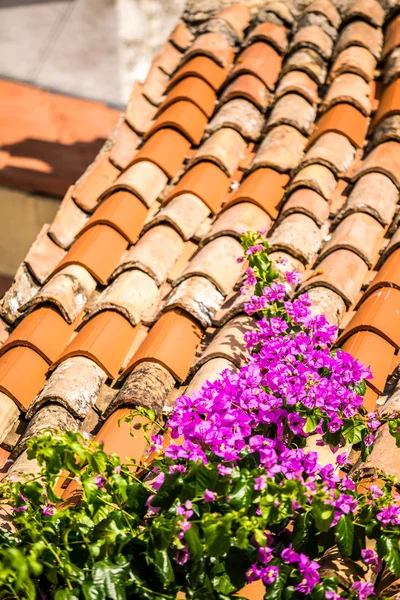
point(46, 138)
point(247, 120)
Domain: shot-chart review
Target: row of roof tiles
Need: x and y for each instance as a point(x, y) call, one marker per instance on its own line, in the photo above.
point(133, 283)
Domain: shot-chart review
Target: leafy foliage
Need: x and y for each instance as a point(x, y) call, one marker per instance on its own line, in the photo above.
point(242, 498)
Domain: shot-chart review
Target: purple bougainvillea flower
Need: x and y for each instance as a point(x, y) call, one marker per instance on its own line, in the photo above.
point(209, 496)
point(48, 511)
point(99, 481)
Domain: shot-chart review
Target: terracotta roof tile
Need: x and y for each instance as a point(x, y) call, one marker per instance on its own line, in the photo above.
point(374, 194)
point(203, 67)
point(354, 59)
point(328, 302)
point(309, 202)
point(214, 45)
point(124, 212)
point(294, 110)
point(389, 103)
point(181, 36)
point(358, 232)
point(149, 383)
point(172, 342)
point(184, 116)
point(369, 10)
point(372, 316)
point(281, 149)
point(240, 115)
point(155, 253)
point(273, 34)
point(185, 212)
point(309, 61)
point(140, 111)
point(199, 297)
point(68, 290)
point(205, 180)
point(277, 10)
point(382, 159)
point(210, 371)
point(298, 235)
point(342, 271)
point(388, 275)
point(167, 149)
point(132, 294)
point(98, 249)
point(237, 16)
point(9, 414)
point(352, 89)
point(359, 33)
point(43, 255)
point(75, 384)
point(105, 338)
point(94, 182)
point(68, 222)
point(326, 8)
point(22, 290)
point(238, 218)
point(192, 89)
point(34, 367)
point(248, 87)
point(392, 36)
point(299, 82)
point(169, 58)
point(52, 415)
point(387, 130)
point(259, 59)
point(254, 186)
point(125, 145)
point(345, 119)
point(315, 177)
point(217, 261)
point(333, 150)
point(116, 433)
point(155, 84)
point(228, 343)
point(313, 37)
point(44, 330)
point(392, 67)
point(144, 179)
point(225, 148)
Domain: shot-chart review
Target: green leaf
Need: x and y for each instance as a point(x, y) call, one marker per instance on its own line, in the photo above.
point(111, 579)
point(163, 567)
point(388, 549)
point(394, 428)
point(93, 592)
point(312, 421)
point(237, 562)
point(323, 515)
point(217, 534)
point(98, 461)
point(242, 494)
point(137, 496)
point(192, 538)
point(65, 595)
point(33, 491)
point(169, 491)
point(352, 431)
point(344, 530)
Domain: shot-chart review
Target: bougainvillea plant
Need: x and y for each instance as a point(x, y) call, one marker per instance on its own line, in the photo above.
point(237, 496)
